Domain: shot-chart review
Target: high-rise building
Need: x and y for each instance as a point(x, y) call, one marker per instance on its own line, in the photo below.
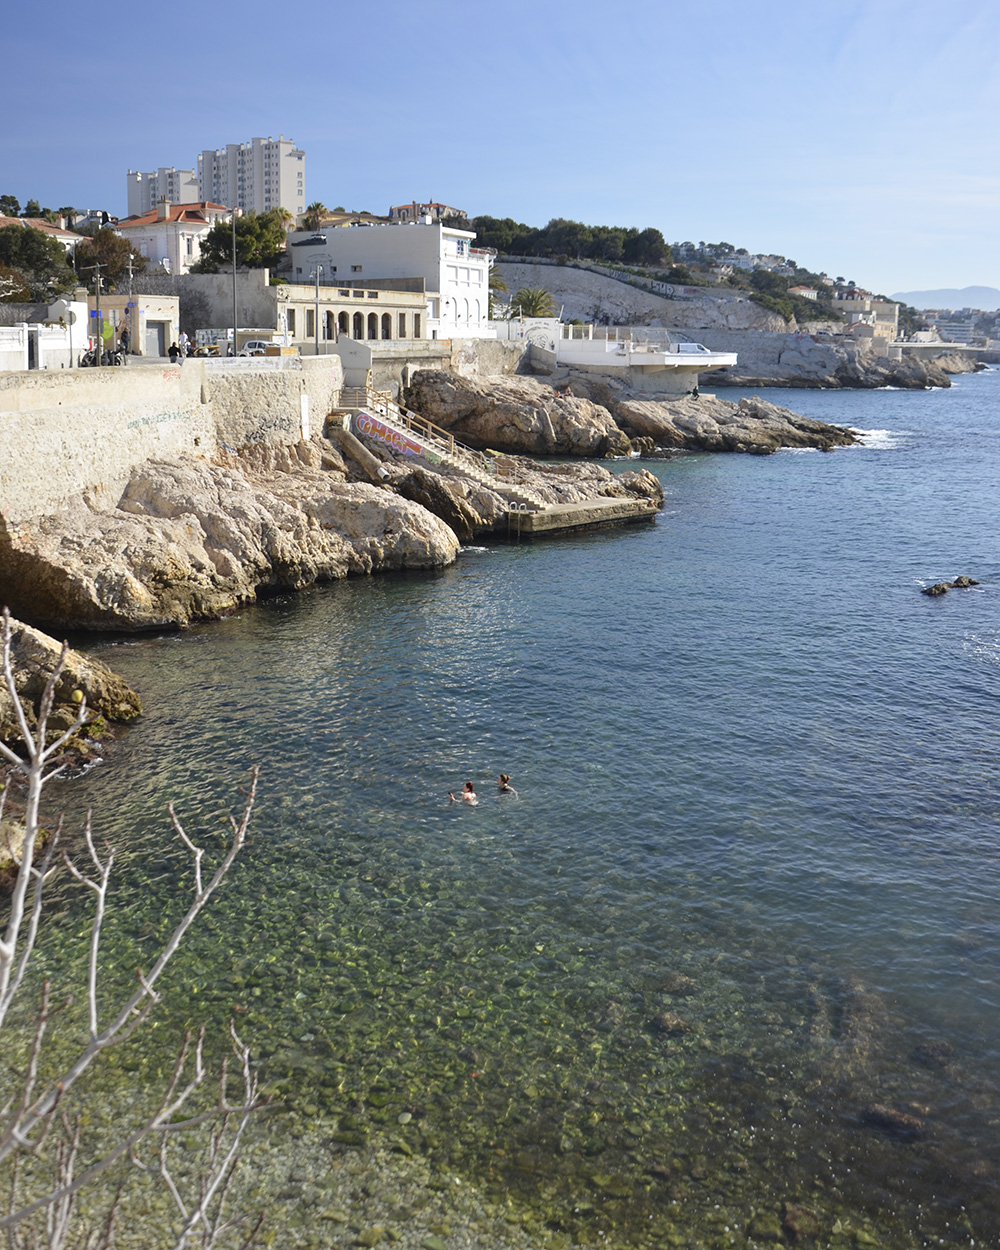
point(255, 176)
point(145, 191)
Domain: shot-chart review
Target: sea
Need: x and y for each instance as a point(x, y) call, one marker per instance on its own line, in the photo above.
point(725, 969)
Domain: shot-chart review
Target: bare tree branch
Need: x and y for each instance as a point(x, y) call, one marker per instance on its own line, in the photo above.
point(36, 1110)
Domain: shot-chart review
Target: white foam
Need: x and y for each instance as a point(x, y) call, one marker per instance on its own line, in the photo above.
point(475, 551)
point(881, 439)
point(984, 647)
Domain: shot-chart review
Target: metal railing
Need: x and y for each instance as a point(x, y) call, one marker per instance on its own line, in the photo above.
point(476, 463)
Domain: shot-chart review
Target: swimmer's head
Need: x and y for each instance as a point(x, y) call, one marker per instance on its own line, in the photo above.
point(504, 778)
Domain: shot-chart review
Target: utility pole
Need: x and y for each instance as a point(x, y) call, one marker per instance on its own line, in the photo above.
point(97, 311)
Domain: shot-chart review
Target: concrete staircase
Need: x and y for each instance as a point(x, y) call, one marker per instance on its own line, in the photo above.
point(496, 473)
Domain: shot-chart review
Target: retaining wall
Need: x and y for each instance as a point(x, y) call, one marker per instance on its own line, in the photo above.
point(65, 433)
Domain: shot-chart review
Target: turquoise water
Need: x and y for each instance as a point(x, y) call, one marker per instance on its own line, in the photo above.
point(748, 886)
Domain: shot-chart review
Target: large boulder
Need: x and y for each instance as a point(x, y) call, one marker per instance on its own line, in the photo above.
point(711, 424)
point(191, 540)
point(515, 414)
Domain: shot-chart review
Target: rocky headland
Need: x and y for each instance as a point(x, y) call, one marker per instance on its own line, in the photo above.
point(192, 537)
point(592, 415)
point(772, 351)
point(191, 540)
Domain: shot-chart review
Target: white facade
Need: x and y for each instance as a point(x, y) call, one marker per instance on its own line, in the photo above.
point(170, 236)
point(456, 275)
point(145, 191)
point(255, 176)
point(55, 343)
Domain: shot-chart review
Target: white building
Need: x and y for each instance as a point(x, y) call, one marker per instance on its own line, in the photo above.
point(255, 176)
point(414, 211)
point(67, 238)
point(170, 235)
point(456, 275)
point(145, 191)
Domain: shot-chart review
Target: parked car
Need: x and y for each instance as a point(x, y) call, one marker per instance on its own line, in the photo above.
point(255, 347)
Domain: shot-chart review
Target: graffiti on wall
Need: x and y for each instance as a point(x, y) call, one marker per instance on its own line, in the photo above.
point(371, 427)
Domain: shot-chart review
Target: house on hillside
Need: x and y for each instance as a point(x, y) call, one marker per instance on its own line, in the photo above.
point(170, 235)
point(67, 238)
point(455, 275)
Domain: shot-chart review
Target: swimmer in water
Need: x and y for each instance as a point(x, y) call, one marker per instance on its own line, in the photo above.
point(504, 786)
point(468, 794)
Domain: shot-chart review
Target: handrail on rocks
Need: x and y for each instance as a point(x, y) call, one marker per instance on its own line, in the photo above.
point(474, 462)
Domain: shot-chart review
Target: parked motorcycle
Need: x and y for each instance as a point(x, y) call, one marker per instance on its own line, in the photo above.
point(109, 356)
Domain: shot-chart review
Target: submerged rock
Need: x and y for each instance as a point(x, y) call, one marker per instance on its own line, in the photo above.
point(896, 1123)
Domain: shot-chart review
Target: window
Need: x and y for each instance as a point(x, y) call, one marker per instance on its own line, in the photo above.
point(310, 323)
point(401, 332)
point(357, 268)
point(416, 325)
point(291, 321)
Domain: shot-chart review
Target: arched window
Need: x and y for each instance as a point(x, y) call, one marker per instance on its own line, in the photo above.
point(387, 325)
point(359, 325)
point(344, 323)
point(373, 325)
point(330, 331)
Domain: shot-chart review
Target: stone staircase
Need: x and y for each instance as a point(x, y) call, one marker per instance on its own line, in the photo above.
point(494, 472)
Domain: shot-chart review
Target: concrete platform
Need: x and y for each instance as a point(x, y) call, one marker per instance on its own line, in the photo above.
point(587, 514)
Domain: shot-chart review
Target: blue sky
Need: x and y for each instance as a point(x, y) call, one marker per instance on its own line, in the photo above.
point(859, 137)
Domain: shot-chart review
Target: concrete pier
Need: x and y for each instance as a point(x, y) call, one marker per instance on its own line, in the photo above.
point(587, 514)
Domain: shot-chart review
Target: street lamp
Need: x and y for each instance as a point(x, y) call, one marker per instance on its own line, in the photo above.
point(319, 270)
point(234, 282)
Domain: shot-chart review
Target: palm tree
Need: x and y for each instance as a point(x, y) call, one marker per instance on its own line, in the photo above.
point(497, 284)
point(314, 215)
point(533, 301)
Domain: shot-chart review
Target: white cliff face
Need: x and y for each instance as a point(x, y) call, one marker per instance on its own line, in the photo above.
point(190, 540)
point(589, 296)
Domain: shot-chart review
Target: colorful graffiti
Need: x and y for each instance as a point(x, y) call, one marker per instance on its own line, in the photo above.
point(365, 423)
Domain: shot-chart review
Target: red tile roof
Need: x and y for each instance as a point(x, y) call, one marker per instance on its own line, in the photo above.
point(39, 223)
point(191, 214)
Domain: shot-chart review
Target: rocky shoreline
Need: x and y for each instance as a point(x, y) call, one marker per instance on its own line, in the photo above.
point(191, 538)
point(594, 415)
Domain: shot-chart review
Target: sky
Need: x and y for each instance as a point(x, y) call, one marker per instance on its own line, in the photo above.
point(857, 138)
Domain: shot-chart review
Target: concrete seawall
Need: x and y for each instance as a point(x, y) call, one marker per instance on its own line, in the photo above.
point(64, 433)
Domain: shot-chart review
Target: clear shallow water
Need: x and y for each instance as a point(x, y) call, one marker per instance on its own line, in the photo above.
point(748, 888)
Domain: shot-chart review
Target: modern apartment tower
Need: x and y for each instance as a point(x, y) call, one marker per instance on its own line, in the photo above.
point(255, 176)
point(145, 191)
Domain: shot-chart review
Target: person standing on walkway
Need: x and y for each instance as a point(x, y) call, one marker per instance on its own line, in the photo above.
point(173, 352)
point(182, 345)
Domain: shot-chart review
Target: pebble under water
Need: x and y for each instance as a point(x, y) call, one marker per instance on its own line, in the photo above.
point(724, 971)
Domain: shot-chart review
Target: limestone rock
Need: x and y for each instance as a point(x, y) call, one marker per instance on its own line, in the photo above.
point(34, 657)
point(707, 424)
point(190, 540)
point(515, 414)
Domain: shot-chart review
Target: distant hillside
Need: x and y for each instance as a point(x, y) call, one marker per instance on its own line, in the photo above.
point(984, 297)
